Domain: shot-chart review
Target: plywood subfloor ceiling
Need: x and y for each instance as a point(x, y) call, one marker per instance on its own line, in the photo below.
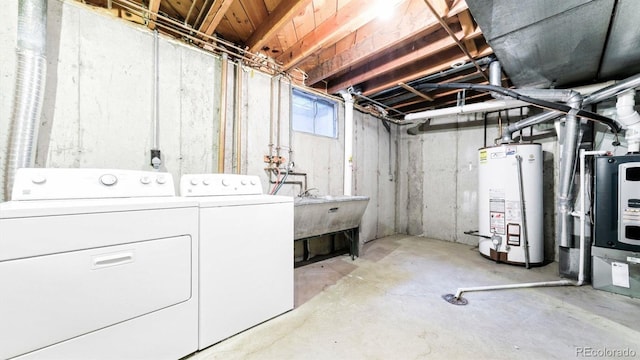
point(333, 45)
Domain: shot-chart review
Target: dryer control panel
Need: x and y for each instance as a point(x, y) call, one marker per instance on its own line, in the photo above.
point(219, 184)
point(74, 183)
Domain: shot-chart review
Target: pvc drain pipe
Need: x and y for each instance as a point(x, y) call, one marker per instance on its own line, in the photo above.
point(457, 299)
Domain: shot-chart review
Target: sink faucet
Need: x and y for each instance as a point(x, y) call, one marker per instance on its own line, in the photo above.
point(307, 193)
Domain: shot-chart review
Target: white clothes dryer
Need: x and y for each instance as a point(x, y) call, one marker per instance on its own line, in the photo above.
point(246, 253)
point(97, 264)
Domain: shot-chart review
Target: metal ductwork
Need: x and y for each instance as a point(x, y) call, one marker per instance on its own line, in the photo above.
point(561, 43)
point(29, 90)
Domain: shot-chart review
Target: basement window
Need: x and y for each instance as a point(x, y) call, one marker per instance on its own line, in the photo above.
point(313, 114)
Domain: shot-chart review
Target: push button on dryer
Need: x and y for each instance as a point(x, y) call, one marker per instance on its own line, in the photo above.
point(38, 179)
point(108, 179)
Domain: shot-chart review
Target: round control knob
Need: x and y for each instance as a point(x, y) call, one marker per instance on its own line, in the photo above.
point(145, 180)
point(38, 179)
point(161, 179)
point(225, 182)
point(243, 182)
point(194, 182)
point(253, 182)
point(206, 182)
point(108, 179)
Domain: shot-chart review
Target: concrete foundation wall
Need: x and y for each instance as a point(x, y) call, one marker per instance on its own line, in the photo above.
point(98, 112)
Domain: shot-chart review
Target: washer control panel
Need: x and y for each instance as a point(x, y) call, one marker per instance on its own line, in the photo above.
point(219, 184)
point(73, 183)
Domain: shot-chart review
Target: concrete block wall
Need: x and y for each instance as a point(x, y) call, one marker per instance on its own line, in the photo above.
point(98, 111)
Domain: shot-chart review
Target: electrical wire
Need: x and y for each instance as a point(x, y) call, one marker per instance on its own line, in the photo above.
point(277, 181)
point(282, 182)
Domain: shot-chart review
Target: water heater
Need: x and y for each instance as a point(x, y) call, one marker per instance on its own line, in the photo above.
point(510, 196)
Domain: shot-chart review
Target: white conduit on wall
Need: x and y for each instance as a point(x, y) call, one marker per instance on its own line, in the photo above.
point(348, 141)
point(222, 138)
point(29, 91)
point(156, 160)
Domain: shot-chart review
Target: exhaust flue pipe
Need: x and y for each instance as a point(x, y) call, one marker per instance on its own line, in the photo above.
point(630, 120)
point(29, 91)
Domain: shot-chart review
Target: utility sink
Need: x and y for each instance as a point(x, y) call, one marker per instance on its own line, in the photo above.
point(318, 215)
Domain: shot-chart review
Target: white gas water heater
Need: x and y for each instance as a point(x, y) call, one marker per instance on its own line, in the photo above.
point(510, 203)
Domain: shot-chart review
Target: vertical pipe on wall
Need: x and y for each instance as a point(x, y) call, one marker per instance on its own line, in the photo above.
point(31, 71)
point(290, 167)
point(279, 117)
point(154, 110)
point(271, 116)
point(239, 117)
point(156, 159)
point(223, 112)
point(348, 141)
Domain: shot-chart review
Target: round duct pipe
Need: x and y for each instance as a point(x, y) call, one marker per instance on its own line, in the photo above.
point(29, 91)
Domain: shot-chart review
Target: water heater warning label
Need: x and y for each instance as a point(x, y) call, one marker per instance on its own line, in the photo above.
point(496, 211)
point(497, 222)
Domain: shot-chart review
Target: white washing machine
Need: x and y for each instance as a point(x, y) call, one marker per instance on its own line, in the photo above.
point(97, 264)
point(246, 253)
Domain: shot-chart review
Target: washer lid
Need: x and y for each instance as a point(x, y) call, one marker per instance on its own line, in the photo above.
point(21, 209)
point(240, 200)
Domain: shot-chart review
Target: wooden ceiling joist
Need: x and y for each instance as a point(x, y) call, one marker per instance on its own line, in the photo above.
point(468, 27)
point(344, 22)
point(282, 14)
point(414, 91)
point(418, 20)
point(154, 6)
point(214, 16)
point(432, 65)
point(433, 44)
point(454, 37)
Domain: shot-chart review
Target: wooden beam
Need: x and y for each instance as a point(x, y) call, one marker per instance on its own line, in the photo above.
point(468, 27)
point(154, 6)
point(417, 51)
point(453, 36)
point(441, 7)
point(214, 16)
point(416, 20)
point(283, 13)
point(434, 64)
point(351, 17)
point(414, 91)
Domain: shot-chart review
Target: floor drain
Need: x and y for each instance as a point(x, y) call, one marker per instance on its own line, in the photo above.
point(452, 299)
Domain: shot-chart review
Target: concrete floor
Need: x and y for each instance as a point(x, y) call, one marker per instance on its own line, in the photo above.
point(387, 305)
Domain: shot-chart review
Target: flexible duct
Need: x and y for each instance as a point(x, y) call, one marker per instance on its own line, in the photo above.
point(630, 119)
point(567, 164)
point(29, 90)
